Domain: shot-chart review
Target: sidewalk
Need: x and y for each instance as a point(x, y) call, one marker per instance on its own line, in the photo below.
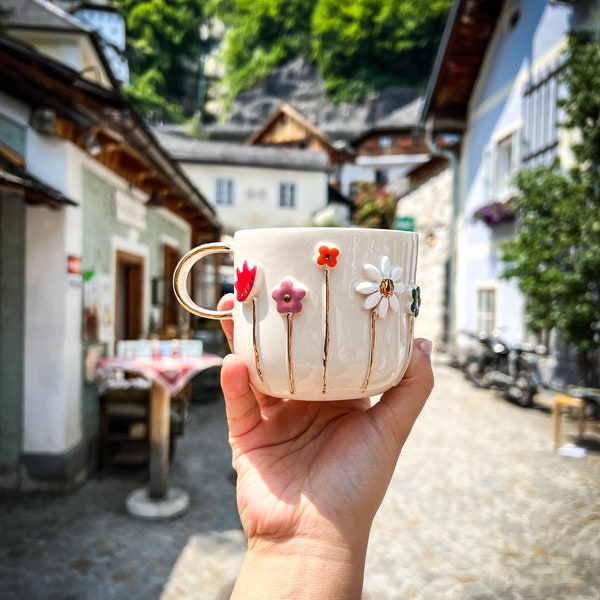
point(480, 508)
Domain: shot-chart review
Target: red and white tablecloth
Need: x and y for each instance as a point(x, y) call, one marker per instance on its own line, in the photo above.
point(173, 373)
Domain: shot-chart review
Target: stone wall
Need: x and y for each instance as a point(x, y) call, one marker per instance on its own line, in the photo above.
point(430, 204)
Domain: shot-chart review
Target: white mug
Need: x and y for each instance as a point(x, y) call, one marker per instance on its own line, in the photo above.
point(319, 313)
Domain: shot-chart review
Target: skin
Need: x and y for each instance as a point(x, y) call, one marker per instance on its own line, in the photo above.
point(310, 478)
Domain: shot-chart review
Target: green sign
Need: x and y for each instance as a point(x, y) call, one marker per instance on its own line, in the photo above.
point(405, 223)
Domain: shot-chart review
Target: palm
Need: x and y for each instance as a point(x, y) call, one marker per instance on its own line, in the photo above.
point(308, 460)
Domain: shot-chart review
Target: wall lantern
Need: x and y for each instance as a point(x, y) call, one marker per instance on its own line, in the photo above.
point(43, 120)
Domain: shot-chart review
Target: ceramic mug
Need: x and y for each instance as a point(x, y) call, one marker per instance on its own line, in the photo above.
point(319, 313)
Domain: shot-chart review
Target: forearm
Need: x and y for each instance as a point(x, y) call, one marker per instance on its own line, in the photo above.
point(300, 570)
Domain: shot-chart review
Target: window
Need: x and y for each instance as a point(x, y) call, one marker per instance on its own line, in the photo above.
point(287, 194)
point(224, 194)
point(486, 310)
point(503, 168)
point(502, 161)
point(541, 116)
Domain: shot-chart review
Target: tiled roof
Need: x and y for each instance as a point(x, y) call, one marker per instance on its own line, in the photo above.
point(189, 149)
point(40, 14)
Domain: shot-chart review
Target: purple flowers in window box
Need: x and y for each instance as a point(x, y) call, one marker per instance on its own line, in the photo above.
point(496, 213)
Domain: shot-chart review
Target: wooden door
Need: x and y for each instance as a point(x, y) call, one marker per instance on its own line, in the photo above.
point(171, 257)
point(129, 296)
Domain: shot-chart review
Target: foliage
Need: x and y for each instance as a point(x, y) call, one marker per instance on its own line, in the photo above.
point(375, 207)
point(164, 47)
point(364, 45)
point(262, 34)
point(555, 254)
point(358, 46)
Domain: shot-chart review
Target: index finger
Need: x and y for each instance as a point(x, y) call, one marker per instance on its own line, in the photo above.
point(226, 303)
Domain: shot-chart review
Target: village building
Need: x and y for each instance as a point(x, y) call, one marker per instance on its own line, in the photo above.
point(94, 215)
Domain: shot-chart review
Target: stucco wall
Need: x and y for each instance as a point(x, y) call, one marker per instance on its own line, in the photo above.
point(515, 54)
point(256, 195)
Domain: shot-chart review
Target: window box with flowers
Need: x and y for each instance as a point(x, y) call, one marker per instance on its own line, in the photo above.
point(496, 213)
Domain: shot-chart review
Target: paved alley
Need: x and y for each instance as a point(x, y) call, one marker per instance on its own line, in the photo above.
point(480, 508)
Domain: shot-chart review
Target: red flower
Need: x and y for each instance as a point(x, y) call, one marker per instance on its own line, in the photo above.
point(245, 278)
point(327, 256)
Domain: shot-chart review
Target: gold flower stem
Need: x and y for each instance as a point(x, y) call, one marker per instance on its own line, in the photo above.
point(255, 342)
point(371, 352)
point(289, 353)
point(326, 343)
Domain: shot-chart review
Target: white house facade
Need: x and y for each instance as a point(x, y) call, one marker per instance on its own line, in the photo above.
point(255, 186)
point(507, 118)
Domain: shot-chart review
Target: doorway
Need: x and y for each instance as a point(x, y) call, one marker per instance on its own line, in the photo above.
point(170, 314)
point(129, 296)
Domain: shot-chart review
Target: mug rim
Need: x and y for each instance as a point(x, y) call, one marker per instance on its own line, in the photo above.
point(316, 229)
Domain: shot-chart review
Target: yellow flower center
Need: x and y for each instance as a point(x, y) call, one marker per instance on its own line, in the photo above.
point(386, 288)
point(287, 298)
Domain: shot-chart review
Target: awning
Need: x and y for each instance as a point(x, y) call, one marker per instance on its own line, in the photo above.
point(16, 178)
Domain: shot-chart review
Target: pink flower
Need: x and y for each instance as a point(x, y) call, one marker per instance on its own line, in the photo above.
point(288, 297)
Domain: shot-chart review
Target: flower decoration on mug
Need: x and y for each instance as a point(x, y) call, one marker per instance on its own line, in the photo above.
point(289, 299)
point(245, 290)
point(382, 288)
point(415, 303)
point(327, 256)
point(244, 282)
point(327, 259)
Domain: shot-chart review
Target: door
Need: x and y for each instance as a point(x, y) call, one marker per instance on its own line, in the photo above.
point(129, 296)
point(171, 257)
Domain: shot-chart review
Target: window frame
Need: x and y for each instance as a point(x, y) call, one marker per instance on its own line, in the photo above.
point(224, 197)
point(287, 195)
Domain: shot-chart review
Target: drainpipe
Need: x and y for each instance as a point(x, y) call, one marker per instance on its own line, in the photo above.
point(452, 158)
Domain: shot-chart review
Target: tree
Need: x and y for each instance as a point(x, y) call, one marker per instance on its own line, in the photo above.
point(262, 34)
point(164, 49)
point(358, 45)
point(365, 45)
point(555, 254)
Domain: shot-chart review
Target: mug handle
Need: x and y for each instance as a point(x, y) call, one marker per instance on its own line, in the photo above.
point(180, 279)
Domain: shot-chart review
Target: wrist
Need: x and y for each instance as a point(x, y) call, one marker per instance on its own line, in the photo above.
point(302, 569)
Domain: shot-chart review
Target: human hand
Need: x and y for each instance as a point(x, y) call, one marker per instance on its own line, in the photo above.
point(311, 475)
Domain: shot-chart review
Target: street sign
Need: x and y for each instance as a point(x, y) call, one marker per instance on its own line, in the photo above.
point(405, 223)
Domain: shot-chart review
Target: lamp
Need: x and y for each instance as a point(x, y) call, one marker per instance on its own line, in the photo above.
point(154, 200)
point(43, 120)
point(91, 143)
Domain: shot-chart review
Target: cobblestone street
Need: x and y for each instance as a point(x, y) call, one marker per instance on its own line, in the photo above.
point(480, 507)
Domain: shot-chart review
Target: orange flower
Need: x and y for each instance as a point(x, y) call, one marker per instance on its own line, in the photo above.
point(327, 256)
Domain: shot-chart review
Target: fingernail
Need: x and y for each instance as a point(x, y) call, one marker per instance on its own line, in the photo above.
point(425, 346)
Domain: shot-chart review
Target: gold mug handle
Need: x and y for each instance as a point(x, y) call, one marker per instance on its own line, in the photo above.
point(180, 279)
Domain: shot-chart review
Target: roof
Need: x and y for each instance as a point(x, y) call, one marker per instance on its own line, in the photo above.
point(78, 107)
point(406, 116)
point(305, 132)
point(40, 14)
point(16, 177)
point(189, 149)
point(469, 29)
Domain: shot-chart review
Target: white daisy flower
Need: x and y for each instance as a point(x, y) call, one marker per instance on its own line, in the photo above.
point(383, 288)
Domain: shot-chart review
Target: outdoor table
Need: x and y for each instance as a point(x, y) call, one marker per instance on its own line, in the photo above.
point(577, 398)
point(169, 375)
